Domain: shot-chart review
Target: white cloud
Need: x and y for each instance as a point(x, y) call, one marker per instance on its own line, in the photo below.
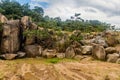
point(103, 10)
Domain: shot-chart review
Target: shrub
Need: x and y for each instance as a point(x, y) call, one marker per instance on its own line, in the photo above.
point(75, 38)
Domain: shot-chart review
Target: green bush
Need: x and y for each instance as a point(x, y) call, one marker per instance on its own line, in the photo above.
point(75, 38)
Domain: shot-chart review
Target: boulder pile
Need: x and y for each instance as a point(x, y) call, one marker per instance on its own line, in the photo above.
point(14, 44)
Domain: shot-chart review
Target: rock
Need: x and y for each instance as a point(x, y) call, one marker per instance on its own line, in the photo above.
point(62, 43)
point(70, 53)
point(86, 42)
point(98, 52)
point(49, 53)
point(27, 25)
point(3, 19)
point(33, 50)
point(29, 40)
point(76, 44)
point(117, 47)
point(10, 37)
point(78, 51)
point(110, 50)
point(87, 50)
point(26, 22)
point(60, 55)
point(9, 56)
point(112, 41)
point(79, 57)
point(76, 32)
point(112, 57)
point(101, 41)
point(118, 61)
point(21, 54)
point(33, 26)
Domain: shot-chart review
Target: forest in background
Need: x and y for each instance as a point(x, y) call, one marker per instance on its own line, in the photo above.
point(14, 10)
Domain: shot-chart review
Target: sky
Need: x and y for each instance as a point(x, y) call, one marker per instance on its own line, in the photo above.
point(103, 10)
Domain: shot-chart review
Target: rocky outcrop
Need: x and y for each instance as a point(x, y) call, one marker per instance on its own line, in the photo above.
point(26, 22)
point(10, 41)
point(3, 19)
point(22, 38)
point(98, 52)
point(27, 26)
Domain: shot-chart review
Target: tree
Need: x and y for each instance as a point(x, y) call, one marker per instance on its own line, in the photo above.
point(38, 10)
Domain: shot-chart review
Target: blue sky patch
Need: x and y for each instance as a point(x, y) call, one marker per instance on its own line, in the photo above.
point(44, 4)
point(23, 1)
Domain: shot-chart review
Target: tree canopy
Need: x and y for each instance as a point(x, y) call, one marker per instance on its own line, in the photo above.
point(14, 10)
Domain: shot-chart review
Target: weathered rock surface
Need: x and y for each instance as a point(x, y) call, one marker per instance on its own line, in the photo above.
point(28, 25)
point(70, 53)
point(110, 50)
point(101, 41)
point(98, 52)
point(8, 56)
point(10, 41)
point(26, 22)
point(33, 50)
point(49, 53)
point(21, 54)
point(60, 55)
point(113, 57)
point(87, 50)
point(3, 19)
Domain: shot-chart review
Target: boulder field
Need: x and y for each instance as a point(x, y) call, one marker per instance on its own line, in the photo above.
point(14, 44)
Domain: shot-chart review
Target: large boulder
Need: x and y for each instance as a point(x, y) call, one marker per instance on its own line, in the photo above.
point(62, 43)
point(77, 47)
point(98, 52)
point(26, 22)
point(47, 53)
point(112, 40)
point(3, 19)
point(86, 50)
point(8, 56)
point(28, 28)
point(101, 41)
point(10, 41)
point(110, 50)
point(33, 50)
point(70, 53)
point(112, 57)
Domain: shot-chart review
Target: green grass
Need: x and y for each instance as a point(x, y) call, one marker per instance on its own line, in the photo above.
point(38, 60)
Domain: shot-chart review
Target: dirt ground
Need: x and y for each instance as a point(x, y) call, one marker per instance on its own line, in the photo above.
point(38, 69)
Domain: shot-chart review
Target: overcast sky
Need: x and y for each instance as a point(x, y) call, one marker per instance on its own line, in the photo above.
point(103, 10)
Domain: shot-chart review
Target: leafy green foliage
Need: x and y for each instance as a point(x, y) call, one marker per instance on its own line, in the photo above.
point(14, 10)
point(75, 38)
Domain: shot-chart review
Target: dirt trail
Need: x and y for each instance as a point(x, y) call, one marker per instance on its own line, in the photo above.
point(83, 70)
